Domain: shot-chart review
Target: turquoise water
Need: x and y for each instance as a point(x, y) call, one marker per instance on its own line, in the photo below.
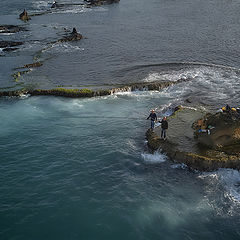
point(77, 169)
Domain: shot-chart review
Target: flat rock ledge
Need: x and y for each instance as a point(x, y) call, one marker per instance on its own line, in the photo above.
point(182, 146)
point(81, 93)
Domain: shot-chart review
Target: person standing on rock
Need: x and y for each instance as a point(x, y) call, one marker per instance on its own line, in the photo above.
point(153, 117)
point(164, 125)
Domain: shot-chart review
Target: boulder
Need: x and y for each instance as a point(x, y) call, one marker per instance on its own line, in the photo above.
point(24, 16)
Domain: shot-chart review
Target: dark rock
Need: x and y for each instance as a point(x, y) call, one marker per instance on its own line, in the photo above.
point(24, 16)
point(73, 36)
point(11, 29)
point(100, 2)
point(9, 49)
point(57, 5)
point(188, 100)
point(9, 44)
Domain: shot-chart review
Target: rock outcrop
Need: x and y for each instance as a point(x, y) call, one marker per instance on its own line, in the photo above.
point(220, 131)
point(78, 93)
point(204, 151)
point(73, 36)
point(24, 16)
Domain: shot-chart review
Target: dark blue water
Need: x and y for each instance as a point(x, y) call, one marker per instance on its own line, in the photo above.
point(79, 168)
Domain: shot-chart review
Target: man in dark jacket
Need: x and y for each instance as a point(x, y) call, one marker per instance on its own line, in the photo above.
point(164, 125)
point(153, 117)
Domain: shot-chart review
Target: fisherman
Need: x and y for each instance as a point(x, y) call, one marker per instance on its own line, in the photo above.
point(164, 125)
point(153, 117)
point(226, 109)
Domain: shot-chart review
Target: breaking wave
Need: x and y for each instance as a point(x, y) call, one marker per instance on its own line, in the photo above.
point(153, 158)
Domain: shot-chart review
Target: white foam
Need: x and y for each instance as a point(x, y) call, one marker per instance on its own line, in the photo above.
point(229, 179)
point(63, 48)
point(41, 5)
point(7, 34)
point(75, 10)
point(24, 96)
point(179, 166)
point(205, 82)
point(154, 158)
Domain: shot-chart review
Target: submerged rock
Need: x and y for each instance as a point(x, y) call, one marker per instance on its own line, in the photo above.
point(24, 16)
point(8, 49)
point(100, 2)
point(8, 46)
point(57, 5)
point(78, 93)
point(33, 65)
point(11, 29)
point(4, 44)
point(204, 152)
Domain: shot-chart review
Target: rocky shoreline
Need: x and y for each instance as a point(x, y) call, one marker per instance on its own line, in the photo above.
point(209, 151)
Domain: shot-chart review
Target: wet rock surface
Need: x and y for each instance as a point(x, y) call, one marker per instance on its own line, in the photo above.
point(199, 152)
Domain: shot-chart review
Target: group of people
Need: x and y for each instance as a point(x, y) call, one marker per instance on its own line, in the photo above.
point(228, 109)
point(164, 124)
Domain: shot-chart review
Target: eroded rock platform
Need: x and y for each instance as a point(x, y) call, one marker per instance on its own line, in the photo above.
point(186, 144)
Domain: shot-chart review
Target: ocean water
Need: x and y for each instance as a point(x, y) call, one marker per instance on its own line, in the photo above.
point(122, 41)
point(80, 168)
